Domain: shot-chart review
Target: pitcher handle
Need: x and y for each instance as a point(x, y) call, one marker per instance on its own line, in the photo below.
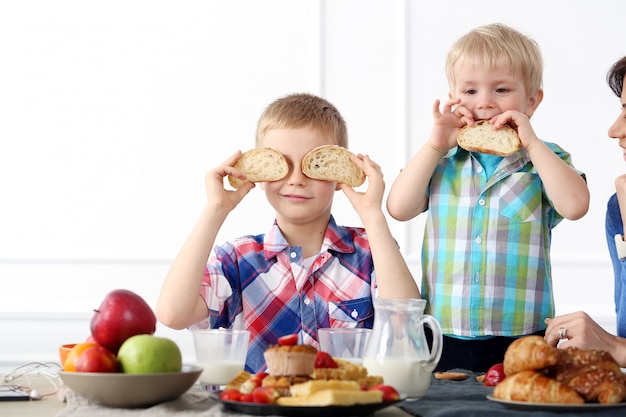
point(437, 347)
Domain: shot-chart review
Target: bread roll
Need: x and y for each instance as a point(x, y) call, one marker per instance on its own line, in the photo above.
point(531, 386)
point(483, 138)
point(529, 353)
point(332, 163)
point(260, 165)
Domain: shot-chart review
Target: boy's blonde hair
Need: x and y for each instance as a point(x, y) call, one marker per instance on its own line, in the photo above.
point(495, 45)
point(303, 110)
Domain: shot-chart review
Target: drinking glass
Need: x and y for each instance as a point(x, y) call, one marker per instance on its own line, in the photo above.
point(344, 343)
point(222, 355)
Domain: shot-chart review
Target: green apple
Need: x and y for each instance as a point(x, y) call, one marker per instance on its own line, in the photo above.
point(148, 354)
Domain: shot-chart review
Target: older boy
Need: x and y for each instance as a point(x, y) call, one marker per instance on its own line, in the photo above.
point(306, 272)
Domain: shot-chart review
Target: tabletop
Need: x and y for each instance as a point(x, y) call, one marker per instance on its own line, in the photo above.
point(443, 399)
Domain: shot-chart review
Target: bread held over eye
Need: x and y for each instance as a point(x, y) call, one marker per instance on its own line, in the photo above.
point(260, 165)
point(332, 163)
point(483, 138)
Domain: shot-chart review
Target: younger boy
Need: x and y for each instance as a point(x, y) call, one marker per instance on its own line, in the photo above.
point(306, 272)
point(485, 258)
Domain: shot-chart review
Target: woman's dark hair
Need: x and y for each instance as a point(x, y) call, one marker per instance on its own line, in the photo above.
point(615, 76)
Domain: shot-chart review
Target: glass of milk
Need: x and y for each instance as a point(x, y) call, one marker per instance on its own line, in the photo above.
point(222, 355)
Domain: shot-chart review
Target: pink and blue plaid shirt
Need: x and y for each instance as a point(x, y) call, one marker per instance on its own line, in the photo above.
point(260, 283)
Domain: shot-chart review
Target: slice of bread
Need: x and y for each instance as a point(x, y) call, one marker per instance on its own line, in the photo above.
point(332, 163)
point(260, 165)
point(483, 138)
point(329, 397)
point(311, 387)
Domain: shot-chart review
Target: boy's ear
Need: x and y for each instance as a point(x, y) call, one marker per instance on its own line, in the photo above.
point(534, 102)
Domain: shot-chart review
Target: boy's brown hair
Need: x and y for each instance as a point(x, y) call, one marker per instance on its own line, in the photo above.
point(303, 110)
point(495, 45)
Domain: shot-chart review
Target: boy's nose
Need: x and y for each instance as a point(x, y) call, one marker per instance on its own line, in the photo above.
point(296, 176)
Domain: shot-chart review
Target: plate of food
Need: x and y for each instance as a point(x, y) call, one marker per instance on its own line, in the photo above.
point(258, 409)
point(131, 390)
point(523, 405)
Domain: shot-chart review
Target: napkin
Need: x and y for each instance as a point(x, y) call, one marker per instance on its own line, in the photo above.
point(190, 404)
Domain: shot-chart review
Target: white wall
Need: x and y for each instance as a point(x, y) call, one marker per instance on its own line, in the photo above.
point(112, 112)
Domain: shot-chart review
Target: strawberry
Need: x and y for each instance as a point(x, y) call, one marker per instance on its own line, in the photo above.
point(230, 395)
point(260, 376)
point(389, 392)
point(288, 340)
point(324, 360)
point(246, 398)
point(264, 395)
point(494, 375)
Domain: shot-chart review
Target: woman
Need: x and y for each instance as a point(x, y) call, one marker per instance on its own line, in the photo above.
point(578, 328)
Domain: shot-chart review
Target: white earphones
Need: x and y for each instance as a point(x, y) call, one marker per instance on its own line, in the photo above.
point(35, 395)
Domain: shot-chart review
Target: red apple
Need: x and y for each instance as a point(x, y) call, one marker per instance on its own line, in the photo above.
point(121, 315)
point(97, 359)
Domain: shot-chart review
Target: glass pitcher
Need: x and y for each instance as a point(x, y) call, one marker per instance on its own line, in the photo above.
point(397, 349)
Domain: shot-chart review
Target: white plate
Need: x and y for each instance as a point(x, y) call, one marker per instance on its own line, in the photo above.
point(522, 405)
point(131, 390)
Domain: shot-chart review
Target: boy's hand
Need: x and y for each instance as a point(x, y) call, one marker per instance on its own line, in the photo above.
point(518, 121)
point(447, 123)
point(371, 199)
point(217, 195)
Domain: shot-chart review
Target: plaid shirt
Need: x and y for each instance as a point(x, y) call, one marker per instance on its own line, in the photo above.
point(486, 252)
point(260, 283)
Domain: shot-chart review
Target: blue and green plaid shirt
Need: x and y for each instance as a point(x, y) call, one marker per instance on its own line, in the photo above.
point(486, 252)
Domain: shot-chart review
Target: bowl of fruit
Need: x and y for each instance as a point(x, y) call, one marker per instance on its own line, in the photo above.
point(122, 363)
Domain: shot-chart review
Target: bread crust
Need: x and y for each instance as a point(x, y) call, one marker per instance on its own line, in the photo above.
point(482, 137)
point(260, 165)
point(332, 163)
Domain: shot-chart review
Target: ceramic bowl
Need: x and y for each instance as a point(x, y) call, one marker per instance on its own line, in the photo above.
point(131, 390)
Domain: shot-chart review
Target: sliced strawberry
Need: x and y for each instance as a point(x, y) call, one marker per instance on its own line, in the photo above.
point(230, 395)
point(324, 360)
point(389, 392)
point(264, 395)
point(288, 340)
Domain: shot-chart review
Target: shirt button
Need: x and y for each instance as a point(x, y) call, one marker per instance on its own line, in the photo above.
point(479, 170)
point(293, 255)
point(354, 314)
point(478, 240)
point(307, 301)
point(481, 202)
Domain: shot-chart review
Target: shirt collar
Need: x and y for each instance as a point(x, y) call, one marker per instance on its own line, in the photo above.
point(336, 239)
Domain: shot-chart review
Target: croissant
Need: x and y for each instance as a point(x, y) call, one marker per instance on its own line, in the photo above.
point(531, 386)
point(594, 374)
point(529, 353)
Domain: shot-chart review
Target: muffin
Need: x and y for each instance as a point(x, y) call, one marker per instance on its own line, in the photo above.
point(290, 360)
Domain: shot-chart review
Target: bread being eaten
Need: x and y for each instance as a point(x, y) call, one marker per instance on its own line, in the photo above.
point(332, 163)
point(482, 137)
point(260, 165)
